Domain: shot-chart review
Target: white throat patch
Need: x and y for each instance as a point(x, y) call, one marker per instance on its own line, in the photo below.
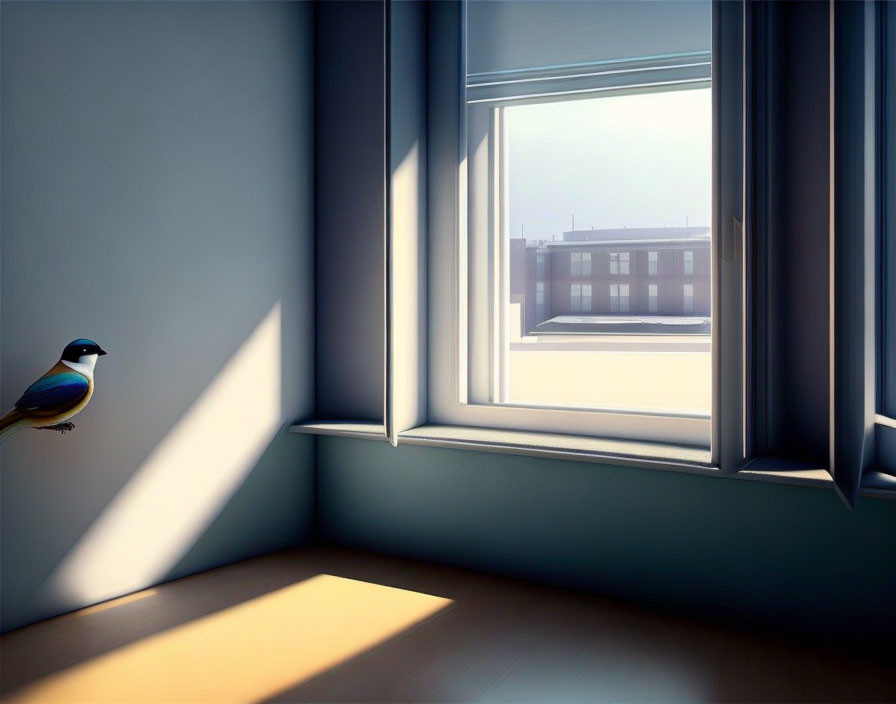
point(84, 365)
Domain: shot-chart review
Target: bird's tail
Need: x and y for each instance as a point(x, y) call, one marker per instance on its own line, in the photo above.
point(11, 423)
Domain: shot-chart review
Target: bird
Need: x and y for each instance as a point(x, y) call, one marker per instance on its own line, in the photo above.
point(58, 395)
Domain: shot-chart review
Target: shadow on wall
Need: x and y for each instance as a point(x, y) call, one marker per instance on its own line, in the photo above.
point(155, 197)
point(226, 481)
point(189, 475)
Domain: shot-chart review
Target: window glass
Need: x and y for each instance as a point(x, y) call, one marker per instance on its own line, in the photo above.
point(592, 166)
point(688, 262)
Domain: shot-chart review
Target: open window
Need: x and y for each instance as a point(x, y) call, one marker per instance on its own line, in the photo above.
point(581, 288)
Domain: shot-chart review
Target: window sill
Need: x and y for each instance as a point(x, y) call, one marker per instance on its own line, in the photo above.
point(365, 430)
point(645, 455)
point(559, 446)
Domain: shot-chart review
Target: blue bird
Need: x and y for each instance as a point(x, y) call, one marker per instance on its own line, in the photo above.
point(59, 394)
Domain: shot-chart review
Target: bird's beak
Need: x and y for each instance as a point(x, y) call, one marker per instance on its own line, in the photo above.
point(101, 352)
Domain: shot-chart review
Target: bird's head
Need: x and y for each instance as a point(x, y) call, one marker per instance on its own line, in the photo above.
point(82, 352)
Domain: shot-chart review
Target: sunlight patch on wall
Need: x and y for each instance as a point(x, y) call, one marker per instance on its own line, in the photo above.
point(246, 653)
point(185, 481)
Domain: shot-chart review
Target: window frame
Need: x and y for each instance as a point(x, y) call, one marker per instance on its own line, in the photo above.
point(452, 400)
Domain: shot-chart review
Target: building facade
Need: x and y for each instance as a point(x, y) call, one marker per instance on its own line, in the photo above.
point(658, 273)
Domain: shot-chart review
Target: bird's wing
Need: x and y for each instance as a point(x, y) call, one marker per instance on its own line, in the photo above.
point(54, 394)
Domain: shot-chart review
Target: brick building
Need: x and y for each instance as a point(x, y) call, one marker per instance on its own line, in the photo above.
point(659, 274)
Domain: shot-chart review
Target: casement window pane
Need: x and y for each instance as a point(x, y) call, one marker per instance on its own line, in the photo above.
point(596, 186)
point(688, 263)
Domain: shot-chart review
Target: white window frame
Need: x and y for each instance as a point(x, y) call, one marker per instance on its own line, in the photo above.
point(652, 263)
point(460, 394)
point(688, 261)
point(624, 298)
point(652, 298)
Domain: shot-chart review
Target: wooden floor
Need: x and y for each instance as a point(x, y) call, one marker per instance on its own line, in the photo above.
point(340, 626)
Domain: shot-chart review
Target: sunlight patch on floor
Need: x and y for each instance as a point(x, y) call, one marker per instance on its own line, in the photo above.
point(185, 481)
point(248, 652)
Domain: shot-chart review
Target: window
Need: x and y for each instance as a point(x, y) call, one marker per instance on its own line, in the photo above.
point(580, 297)
point(580, 264)
point(688, 262)
point(539, 300)
point(548, 144)
point(619, 262)
point(687, 292)
point(651, 298)
point(651, 263)
point(619, 298)
point(540, 266)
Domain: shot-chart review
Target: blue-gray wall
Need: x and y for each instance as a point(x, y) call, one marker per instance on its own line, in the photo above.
point(780, 555)
point(157, 168)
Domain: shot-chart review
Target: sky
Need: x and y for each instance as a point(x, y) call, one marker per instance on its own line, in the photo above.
point(626, 161)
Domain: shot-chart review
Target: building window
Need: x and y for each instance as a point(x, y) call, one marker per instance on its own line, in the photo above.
point(619, 298)
point(651, 263)
point(581, 264)
point(580, 297)
point(540, 266)
point(539, 301)
point(688, 262)
point(688, 298)
point(619, 263)
point(651, 296)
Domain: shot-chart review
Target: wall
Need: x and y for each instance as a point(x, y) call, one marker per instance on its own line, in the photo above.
point(156, 196)
point(764, 553)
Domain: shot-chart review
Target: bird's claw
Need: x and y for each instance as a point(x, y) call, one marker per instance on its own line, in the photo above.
point(60, 427)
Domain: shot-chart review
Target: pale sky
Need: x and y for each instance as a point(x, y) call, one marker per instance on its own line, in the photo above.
point(627, 161)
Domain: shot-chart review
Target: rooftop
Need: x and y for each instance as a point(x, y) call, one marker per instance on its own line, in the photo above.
point(637, 233)
point(626, 323)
